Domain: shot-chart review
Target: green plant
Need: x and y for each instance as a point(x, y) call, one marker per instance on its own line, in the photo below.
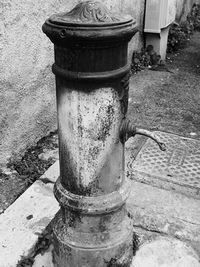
point(177, 38)
point(179, 34)
point(145, 58)
point(194, 17)
point(140, 60)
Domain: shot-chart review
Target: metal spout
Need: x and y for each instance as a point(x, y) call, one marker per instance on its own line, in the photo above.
point(129, 130)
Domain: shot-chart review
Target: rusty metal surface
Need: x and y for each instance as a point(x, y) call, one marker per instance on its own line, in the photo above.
point(178, 168)
point(92, 77)
point(90, 151)
point(92, 241)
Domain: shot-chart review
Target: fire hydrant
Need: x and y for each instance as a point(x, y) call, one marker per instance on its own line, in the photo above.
point(92, 228)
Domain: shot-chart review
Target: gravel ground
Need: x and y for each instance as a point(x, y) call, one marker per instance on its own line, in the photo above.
point(169, 101)
point(21, 174)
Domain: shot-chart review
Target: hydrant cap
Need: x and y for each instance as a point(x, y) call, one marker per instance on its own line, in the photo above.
point(90, 13)
point(89, 20)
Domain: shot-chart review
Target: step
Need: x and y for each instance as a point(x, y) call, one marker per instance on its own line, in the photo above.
point(24, 220)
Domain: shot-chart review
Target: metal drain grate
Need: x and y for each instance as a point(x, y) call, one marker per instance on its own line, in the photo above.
point(178, 168)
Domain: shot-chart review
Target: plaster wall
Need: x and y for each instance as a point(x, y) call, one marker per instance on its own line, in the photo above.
point(135, 8)
point(27, 88)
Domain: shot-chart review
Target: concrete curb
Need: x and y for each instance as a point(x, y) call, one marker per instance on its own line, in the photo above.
point(21, 223)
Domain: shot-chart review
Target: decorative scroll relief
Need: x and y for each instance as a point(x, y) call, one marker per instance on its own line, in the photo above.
point(89, 12)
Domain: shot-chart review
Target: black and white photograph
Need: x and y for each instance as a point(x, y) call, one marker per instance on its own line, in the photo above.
point(100, 133)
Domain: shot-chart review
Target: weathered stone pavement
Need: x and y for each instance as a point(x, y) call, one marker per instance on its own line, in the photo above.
point(165, 191)
point(165, 201)
point(165, 212)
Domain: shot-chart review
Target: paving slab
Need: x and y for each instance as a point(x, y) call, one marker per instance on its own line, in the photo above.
point(175, 169)
point(165, 252)
point(44, 260)
point(158, 211)
point(21, 223)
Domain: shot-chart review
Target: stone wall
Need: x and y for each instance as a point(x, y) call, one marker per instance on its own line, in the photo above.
point(27, 95)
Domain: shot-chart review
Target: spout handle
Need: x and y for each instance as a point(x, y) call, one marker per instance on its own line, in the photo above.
point(151, 135)
point(129, 130)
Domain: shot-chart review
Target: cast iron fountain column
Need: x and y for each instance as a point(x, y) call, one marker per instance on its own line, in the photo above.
point(92, 228)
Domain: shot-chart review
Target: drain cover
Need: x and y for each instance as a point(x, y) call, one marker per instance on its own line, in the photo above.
point(178, 168)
